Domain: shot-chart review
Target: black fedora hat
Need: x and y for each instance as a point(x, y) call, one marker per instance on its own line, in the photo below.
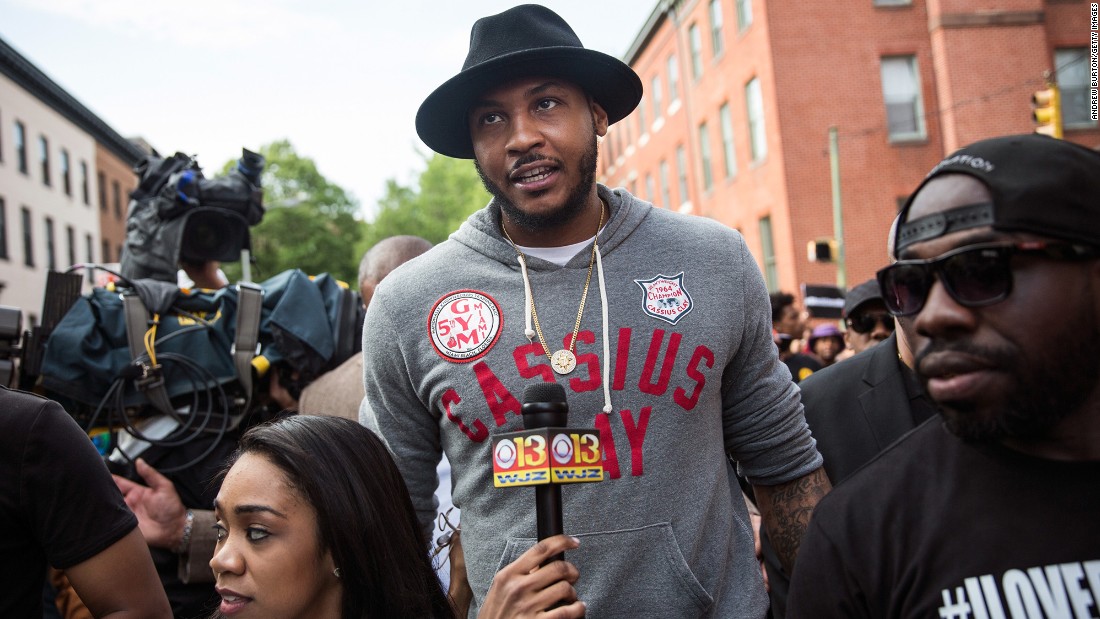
point(525, 40)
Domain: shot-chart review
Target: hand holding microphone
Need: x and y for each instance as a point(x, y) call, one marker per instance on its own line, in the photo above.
point(545, 455)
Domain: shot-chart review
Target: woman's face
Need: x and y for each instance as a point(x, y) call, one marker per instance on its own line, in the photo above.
point(268, 562)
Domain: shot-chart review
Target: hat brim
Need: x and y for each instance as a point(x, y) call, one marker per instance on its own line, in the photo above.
point(442, 120)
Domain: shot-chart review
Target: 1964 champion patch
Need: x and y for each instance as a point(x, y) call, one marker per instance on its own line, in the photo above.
point(665, 297)
point(464, 325)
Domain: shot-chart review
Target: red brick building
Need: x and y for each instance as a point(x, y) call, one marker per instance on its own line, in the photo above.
point(740, 95)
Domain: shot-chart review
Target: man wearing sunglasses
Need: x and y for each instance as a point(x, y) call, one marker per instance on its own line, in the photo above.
point(866, 320)
point(993, 510)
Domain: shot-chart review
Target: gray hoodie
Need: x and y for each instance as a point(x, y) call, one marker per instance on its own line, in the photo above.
point(691, 374)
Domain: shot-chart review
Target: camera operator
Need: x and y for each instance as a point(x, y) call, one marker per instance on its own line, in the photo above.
point(204, 274)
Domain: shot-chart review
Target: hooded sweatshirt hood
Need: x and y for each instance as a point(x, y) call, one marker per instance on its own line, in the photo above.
point(481, 232)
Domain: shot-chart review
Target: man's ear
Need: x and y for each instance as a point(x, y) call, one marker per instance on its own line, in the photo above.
point(599, 117)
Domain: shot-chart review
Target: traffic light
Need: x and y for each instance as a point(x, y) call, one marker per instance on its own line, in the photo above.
point(822, 250)
point(1047, 112)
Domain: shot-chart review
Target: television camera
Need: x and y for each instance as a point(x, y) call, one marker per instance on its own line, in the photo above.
point(141, 363)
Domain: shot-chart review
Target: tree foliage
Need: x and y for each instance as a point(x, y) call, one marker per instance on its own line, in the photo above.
point(310, 223)
point(447, 191)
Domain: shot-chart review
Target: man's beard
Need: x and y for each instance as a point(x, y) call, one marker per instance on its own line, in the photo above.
point(1045, 391)
point(575, 201)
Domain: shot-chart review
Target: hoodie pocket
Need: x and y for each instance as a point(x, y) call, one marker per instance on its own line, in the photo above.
point(630, 573)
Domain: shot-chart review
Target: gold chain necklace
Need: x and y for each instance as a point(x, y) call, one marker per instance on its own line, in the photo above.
point(564, 360)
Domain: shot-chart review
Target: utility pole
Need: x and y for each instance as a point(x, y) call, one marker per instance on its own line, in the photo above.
point(838, 219)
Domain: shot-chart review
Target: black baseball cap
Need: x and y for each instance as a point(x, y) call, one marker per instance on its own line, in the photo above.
point(861, 294)
point(1039, 184)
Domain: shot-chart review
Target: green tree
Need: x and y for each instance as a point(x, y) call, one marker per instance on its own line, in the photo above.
point(447, 191)
point(310, 223)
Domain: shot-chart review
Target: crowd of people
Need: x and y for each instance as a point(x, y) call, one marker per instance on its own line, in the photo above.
point(960, 426)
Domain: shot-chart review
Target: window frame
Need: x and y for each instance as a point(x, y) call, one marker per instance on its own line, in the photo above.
point(754, 113)
point(44, 159)
point(28, 237)
point(695, 48)
point(917, 102)
point(20, 141)
point(729, 152)
point(743, 8)
point(1061, 71)
point(717, 45)
point(706, 159)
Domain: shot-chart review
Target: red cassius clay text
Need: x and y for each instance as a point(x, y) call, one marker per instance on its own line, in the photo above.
point(655, 379)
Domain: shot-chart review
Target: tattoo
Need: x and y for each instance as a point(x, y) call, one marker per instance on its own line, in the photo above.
point(786, 511)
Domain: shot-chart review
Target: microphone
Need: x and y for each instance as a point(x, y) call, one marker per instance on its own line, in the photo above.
point(546, 454)
point(544, 406)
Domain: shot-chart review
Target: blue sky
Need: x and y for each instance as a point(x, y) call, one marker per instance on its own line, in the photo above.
point(340, 79)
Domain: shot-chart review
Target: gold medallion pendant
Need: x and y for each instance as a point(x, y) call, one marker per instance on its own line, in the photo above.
point(563, 361)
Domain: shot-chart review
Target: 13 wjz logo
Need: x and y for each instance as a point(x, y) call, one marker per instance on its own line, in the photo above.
point(547, 455)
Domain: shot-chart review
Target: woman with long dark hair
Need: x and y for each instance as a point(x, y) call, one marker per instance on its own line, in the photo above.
point(314, 520)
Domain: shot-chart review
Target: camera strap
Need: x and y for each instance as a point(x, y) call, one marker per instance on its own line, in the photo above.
point(151, 381)
point(246, 343)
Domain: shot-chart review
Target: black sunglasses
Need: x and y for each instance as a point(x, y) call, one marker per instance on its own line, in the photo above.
point(974, 276)
point(865, 322)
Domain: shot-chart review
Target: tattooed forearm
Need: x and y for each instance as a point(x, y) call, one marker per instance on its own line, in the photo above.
point(785, 510)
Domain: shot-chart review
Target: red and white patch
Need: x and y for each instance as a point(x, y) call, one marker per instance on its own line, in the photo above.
point(464, 325)
point(665, 297)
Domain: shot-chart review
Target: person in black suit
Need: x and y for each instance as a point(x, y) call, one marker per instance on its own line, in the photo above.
point(855, 409)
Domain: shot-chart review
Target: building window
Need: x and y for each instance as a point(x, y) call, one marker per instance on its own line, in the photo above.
point(754, 104)
point(51, 258)
point(666, 196)
point(66, 173)
point(744, 14)
point(84, 182)
point(673, 80)
point(716, 27)
point(3, 230)
point(650, 190)
point(893, 2)
point(106, 256)
point(642, 126)
point(901, 93)
point(1074, 83)
point(44, 158)
point(102, 191)
point(88, 249)
point(70, 236)
point(116, 198)
point(21, 146)
point(696, 42)
point(655, 90)
point(682, 171)
point(771, 273)
point(727, 140)
point(1, 140)
point(704, 156)
point(28, 238)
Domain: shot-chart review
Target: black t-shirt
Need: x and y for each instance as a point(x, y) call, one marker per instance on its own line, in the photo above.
point(58, 504)
point(801, 366)
point(936, 527)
